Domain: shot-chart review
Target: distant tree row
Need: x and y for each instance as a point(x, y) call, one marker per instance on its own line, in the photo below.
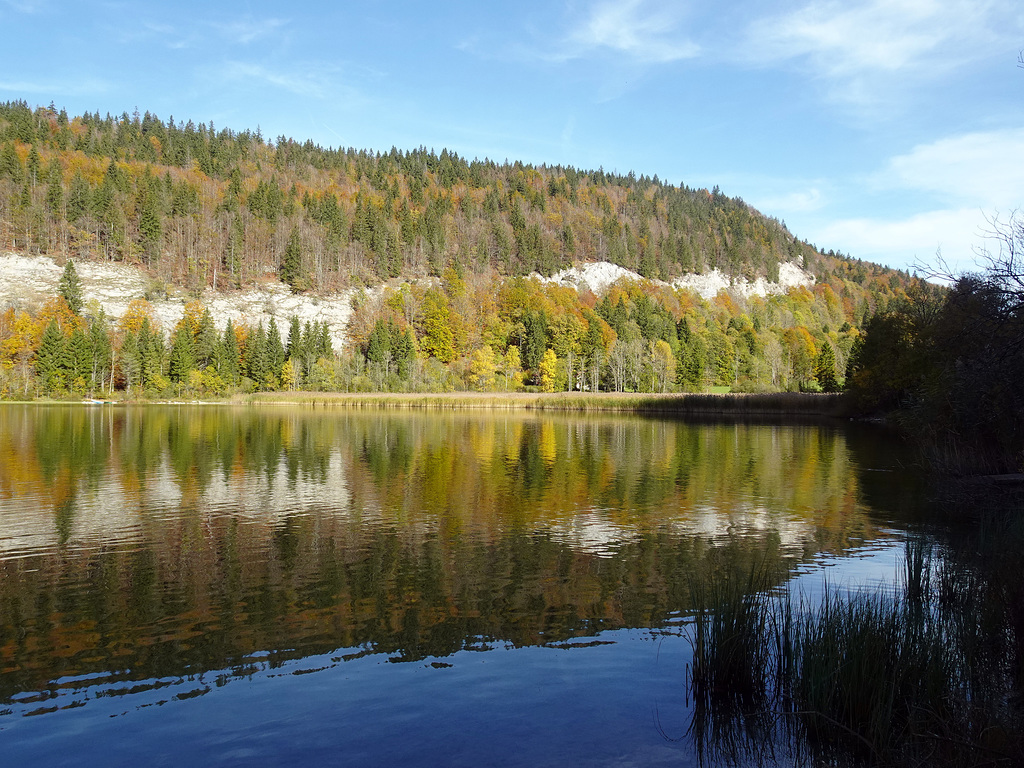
point(464, 331)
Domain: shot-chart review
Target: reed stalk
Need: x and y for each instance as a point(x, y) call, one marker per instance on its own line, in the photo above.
point(925, 675)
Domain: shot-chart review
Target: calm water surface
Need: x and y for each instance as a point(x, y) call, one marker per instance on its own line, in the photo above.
point(276, 586)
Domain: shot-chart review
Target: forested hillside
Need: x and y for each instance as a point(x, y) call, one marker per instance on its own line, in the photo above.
point(205, 208)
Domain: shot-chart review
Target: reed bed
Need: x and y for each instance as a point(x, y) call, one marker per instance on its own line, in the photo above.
point(738, 405)
point(925, 675)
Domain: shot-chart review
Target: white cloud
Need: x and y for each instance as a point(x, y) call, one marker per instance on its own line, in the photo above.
point(982, 169)
point(800, 201)
point(863, 45)
point(969, 177)
point(640, 30)
point(956, 233)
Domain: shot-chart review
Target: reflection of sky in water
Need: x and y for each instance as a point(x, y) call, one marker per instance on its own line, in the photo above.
point(598, 704)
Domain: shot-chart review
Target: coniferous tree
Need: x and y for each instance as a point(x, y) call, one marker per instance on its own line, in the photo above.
point(131, 360)
point(78, 198)
point(151, 354)
point(404, 350)
point(150, 216)
point(34, 167)
point(535, 340)
point(227, 355)
point(825, 368)
point(182, 359)
point(70, 288)
point(10, 164)
point(256, 363)
point(205, 341)
point(295, 344)
point(275, 351)
point(291, 271)
point(79, 358)
point(50, 357)
point(102, 351)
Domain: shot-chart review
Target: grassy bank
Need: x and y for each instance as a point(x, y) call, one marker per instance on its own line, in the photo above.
point(754, 405)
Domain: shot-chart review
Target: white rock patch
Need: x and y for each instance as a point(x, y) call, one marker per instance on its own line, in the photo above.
point(29, 281)
point(599, 276)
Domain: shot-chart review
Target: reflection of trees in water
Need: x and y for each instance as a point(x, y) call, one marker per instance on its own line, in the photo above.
point(412, 535)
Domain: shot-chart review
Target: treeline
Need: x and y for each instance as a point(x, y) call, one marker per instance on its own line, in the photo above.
point(950, 366)
point(205, 207)
point(65, 350)
point(464, 331)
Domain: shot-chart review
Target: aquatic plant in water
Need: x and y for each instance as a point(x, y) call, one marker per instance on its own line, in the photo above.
point(927, 674)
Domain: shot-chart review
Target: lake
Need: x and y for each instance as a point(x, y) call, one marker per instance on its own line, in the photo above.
point(223, 585)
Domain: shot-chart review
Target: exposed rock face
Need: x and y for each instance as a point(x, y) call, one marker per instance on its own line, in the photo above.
point(28, 281)
point(600, 275)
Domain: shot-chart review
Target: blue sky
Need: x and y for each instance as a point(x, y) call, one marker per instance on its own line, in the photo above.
point(885, 129)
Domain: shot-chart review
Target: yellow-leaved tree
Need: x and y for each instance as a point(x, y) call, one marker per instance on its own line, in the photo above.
point(548, 370)
point(482, 367)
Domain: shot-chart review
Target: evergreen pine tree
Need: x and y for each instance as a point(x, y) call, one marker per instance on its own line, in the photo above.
point(10, 163)
point(79, 355)
point(256, 365)
point(228, 355)
point(323, 346)
point(50, 357)
point(291, 271)
point(182, 359)
point(70, 288)
point(101, 351)
point(378, 346)
point(405, 353)
point(151, 354)
point(205, 342)
point(295, 346)
point(825, 368)
point(55, 190)
point(275, 352)
point(34, 166)
point(131, 362)
point(78, 198)
point(150, 215)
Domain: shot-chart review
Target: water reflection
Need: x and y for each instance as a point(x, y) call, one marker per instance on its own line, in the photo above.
point(183, 547)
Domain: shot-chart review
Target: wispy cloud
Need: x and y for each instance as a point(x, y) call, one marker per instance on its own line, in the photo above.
point(63, 87)
point(967, 177)
point(639, 30)
point(862, 45)
point(248, 30)
point(955, 233)
point(26, 6)
point(299, 83)
point(799, 201)
point(981, 169)
point(635, 29)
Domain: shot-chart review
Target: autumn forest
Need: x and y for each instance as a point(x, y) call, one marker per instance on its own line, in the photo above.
point(442, 258)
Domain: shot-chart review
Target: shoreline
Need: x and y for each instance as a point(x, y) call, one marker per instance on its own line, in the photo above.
point(802, 404)
point(773, 404)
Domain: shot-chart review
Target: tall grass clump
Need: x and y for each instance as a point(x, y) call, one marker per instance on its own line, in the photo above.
point(924, 674)
point(771, 405)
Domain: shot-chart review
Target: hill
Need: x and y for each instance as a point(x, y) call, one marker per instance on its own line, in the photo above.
point(206, 212)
